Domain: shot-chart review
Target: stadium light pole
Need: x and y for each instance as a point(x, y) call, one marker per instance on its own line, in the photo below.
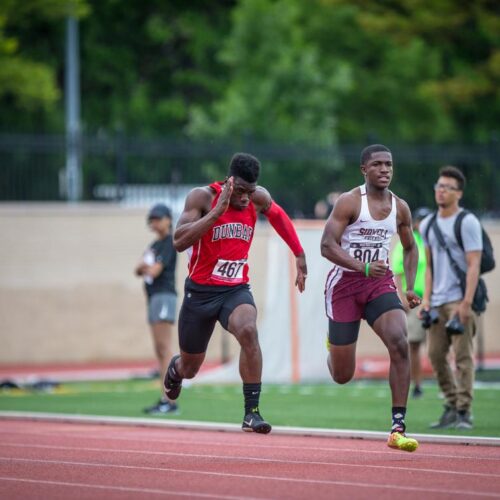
point(72, 104)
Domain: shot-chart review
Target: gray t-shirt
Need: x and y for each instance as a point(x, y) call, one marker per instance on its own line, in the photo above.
point(445, 283)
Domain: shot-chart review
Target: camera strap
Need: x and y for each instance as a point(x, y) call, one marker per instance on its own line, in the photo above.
point(439, 235)
point(481, 293)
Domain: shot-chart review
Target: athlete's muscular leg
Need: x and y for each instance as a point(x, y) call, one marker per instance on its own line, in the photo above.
point(342, 362)
point(391, 328)
point(243, 325)
point(195, 329)
point(187, 365)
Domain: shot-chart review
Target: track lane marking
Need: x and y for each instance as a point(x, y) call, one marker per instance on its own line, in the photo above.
point(250, 459)
point(236, 428)
point(273, 478)
point(107, 436)
point(189, 494)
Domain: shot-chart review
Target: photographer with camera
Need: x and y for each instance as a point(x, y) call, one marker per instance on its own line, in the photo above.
point(451, 280)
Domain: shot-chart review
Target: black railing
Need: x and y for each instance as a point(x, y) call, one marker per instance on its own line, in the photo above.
point(32, 168)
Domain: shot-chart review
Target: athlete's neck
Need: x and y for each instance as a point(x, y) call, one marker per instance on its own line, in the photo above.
point(448, 211)
point(375, 192)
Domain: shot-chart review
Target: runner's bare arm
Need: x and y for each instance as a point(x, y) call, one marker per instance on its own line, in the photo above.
point(342, 215)
point(426, 300)
point(399, 289)
point(198, 216)
point(410, 251)
point(284, 227)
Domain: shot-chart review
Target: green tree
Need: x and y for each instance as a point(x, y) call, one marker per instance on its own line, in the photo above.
point(28, 85)
point(146, 65)
point(278, 88)
point(436, 69)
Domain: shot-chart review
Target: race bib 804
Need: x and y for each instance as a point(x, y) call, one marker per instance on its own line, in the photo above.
point(368, 252)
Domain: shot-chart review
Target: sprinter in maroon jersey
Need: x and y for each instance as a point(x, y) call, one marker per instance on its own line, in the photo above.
point(357, 239)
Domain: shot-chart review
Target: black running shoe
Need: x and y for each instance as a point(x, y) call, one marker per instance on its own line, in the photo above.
point(417, 392)
point(161, 408)
point(253, 422)
point(172, 387)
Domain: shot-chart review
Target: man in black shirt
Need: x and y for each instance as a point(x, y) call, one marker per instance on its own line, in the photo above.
point(157, 268)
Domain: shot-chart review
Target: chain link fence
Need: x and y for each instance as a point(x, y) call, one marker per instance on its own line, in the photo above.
point(135, 171)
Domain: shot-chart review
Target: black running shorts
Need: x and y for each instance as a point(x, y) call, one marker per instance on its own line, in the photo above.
point(202, 306)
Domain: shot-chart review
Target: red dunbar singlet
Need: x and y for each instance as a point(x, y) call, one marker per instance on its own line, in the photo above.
point(220, 256)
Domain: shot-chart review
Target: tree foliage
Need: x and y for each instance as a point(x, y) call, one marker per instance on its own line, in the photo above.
point(28, 82)
point(279, 89)
point(453, 50)
point(315, 72)
point(145, 66)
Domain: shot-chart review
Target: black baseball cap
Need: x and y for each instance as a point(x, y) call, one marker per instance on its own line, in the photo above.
point(159, 211)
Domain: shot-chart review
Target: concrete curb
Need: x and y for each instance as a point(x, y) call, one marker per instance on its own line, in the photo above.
point(223, 427)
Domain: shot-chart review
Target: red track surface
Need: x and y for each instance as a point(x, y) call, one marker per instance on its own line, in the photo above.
point(59, 460)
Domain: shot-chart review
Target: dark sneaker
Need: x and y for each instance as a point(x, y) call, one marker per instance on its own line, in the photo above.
point(464, 420)
point(417, 392)
point(161, 408)
point(448, 419)
point(172, 387)
point(253, 422)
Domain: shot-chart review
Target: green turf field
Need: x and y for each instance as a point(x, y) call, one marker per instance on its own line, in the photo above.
point(363, 405)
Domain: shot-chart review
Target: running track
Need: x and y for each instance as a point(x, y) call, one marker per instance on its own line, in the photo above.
point(52, 460)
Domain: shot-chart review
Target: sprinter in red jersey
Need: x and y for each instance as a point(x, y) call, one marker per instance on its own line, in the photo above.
point(216, 228)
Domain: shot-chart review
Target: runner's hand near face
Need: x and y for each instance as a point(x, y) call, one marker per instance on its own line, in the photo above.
point(225, 196)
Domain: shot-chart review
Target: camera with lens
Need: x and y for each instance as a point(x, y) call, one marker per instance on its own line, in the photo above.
point(429, 317)
point(454, 326)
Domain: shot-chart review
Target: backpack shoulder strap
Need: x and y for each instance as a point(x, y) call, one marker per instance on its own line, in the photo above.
point(458, 227)
point(428, 228)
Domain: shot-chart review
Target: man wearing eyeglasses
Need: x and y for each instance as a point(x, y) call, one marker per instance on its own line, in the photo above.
point(455, 324)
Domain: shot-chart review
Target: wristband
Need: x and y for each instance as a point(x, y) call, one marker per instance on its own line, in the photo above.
point(367, 269)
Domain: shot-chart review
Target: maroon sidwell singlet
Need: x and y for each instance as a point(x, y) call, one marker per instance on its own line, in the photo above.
point(347, 292)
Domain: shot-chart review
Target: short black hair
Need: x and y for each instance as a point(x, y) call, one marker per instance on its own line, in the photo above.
point(369, 150)
point(245, 166)
point(455, 173)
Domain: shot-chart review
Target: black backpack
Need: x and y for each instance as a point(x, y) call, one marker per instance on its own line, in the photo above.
point(487, 257)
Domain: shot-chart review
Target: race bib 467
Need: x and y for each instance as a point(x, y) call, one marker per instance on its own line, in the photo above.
point(229, 270)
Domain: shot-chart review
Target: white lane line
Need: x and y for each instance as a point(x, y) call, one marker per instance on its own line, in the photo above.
point(189, 494)
point(236, 428)
point(250, 459)
point(225, 443)
point(467, 493)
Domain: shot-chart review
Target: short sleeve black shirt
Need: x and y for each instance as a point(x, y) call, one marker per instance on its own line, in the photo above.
point(164, 252)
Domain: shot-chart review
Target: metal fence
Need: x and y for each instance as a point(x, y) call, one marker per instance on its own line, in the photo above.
point(119, 167)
